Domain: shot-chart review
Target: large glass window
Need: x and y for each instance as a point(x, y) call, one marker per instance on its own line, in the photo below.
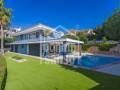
point(37, 34)
point(21, 37)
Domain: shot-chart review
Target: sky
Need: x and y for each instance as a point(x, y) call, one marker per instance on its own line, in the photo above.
point(80, 14)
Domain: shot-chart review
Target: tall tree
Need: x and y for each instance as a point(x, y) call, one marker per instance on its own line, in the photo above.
point(110, 28)
point(82, 36)
point(78, 36)
point(5, 17)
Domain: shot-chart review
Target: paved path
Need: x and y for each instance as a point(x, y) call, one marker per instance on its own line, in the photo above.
point(114, 69)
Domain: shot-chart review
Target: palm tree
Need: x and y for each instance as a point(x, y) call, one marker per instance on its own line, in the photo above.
point(5, 17)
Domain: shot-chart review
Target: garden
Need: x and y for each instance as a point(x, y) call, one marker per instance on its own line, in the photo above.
point(36, 74)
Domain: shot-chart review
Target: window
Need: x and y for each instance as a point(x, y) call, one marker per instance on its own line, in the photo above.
point(28, 36)
point(52, 47)
point(21, 37)
point(37, 34)
point(22, 46)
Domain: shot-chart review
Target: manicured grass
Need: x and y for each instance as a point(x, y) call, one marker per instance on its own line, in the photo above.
point(35, 75)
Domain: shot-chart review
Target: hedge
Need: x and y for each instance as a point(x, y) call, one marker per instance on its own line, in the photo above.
point(3, 72)
point(101, 46)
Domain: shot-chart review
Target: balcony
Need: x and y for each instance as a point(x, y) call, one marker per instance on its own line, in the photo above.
point(34, 40)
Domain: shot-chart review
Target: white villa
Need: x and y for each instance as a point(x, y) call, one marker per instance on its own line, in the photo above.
point(44, 41)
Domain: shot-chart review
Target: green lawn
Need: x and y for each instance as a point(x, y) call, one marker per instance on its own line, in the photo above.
point(33, 75)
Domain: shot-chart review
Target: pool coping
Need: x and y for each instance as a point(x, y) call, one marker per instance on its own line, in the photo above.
point(101, 55)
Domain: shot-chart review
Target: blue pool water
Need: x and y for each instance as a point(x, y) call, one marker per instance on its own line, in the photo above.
point(93, 61)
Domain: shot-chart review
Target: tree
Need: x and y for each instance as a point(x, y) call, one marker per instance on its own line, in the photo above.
point(99, 33)
point(82, 36)
point(70, 36)
point(104, 39)
point(5, 17)
point(111, 27)
point(79, 36)
point(46, 33)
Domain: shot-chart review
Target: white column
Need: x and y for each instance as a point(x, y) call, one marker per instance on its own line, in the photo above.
point(64, 51)
point(27, 49)
point(79, 45)
point(10, 48)
point(59, 48)
point(41, 50)
point(13, 48)
point(48, 49)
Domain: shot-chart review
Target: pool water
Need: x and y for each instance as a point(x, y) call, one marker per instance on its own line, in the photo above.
point(93, 61)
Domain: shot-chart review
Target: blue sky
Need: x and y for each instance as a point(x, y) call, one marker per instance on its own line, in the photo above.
point(69, 13)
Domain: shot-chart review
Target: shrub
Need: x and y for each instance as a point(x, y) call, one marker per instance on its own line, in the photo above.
point(17, 57)
point(105, 46)
point(102, 46)
point(3, 72)
point(85, 47)
point(104, 39)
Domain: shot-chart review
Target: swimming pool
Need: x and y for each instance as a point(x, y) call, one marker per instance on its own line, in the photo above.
point(94, 61)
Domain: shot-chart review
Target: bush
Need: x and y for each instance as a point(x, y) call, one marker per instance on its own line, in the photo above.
point(105, 46)
point(101, 46)
point(8, 40)
point(104, 39)
point(17, 57)
point(85, 47)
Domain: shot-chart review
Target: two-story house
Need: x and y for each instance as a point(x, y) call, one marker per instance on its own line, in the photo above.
point(43, 41)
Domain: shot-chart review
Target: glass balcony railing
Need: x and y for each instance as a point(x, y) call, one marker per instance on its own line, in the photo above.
point(34, 40)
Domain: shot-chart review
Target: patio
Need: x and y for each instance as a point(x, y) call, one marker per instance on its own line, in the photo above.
point(113, 69)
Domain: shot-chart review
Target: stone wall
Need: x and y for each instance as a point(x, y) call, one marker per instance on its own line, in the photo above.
point(115, 51)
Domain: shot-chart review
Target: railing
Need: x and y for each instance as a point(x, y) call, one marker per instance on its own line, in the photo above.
point(3, 72)
point(34, 40)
